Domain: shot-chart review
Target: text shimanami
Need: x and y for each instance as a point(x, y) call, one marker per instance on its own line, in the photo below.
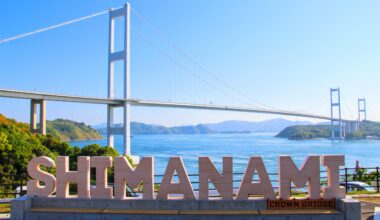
point(125, 174)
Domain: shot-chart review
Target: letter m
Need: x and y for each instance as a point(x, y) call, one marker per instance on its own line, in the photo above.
point(125, 175)
point(309, 174)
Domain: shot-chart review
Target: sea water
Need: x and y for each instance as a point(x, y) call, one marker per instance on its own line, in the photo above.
point(241, 147)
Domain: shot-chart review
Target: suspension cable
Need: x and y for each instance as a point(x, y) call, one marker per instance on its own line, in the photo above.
point(347, 107)
point(371, 113)
point(152, 44)
point(170, 43)
point(52, 27)
point(311, 106)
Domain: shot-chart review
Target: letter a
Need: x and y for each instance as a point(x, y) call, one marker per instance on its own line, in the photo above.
point(182, 187)
point(263, 187)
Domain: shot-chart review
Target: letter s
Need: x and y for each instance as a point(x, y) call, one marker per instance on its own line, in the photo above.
point(34, 171)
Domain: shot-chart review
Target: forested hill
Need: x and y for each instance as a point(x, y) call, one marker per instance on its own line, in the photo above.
point(229, 127)
point(138, 128)
point(71, 130)
point(304, 132)
point(18, 146)
point(368, 130)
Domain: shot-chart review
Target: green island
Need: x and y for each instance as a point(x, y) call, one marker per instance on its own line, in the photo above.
point(71, 130)
point(368, 130)
point(18, 146)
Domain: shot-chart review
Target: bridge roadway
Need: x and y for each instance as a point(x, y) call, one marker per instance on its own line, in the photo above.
point(137, 102)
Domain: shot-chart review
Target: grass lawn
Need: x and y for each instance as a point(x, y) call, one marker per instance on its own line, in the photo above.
point(5, 208)
point(370, 199)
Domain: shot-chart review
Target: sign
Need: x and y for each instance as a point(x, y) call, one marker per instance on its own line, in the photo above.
point(301, 204)
point(143, 173)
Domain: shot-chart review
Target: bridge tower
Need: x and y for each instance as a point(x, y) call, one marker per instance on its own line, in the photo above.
point(123, 56)
point(34, 103)
point(362, 110)
point(336, 121)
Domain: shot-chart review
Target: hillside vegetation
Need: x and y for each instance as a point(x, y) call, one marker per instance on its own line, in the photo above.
point(138, 128)
point(368, 130)
point(272, 125)
point(304, 132)
point(18, 146)
point(224, 127)
point(71, 130)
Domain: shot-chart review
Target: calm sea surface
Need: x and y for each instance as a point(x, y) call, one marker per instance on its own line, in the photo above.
point(241, 147)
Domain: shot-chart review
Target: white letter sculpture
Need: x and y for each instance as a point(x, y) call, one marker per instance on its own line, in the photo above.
point(333, 189)
point(263, 186)
point(101, 190)
point(222, 183)
point(182, 187)
point(34, 171)
point(81, 177)
point(309, 173)
point(125, 175)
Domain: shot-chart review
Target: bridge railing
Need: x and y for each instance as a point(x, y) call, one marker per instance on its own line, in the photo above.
point(368, 175)
point(12, 187)
point(16, 186)
point(348, 176)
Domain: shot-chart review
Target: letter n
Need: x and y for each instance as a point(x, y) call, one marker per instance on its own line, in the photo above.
point(222, 183)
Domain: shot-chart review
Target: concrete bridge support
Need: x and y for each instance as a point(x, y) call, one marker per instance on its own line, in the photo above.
point(123, 56)
point(34, 103)
point(351, 126)
point(362, 111)
point(336, 123)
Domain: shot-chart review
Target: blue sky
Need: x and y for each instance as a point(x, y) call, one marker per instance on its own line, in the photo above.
point(285, 54)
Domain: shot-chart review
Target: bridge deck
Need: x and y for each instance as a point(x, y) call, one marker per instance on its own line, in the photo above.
point(138, 102)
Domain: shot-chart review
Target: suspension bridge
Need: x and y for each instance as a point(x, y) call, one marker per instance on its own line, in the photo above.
point(339, 126)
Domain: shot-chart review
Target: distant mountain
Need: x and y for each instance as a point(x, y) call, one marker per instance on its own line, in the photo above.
point(273, 125)
point(138, 128)
point(98, 126)
point(71, 130)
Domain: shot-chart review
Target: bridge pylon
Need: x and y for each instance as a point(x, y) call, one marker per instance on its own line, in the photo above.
point(114, 56)
point(336, 121)
point(34, 103)
point(362, 111)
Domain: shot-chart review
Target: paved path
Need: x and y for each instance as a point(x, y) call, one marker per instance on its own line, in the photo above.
point(5, 216)
point(370, 211)
point(376, 215)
